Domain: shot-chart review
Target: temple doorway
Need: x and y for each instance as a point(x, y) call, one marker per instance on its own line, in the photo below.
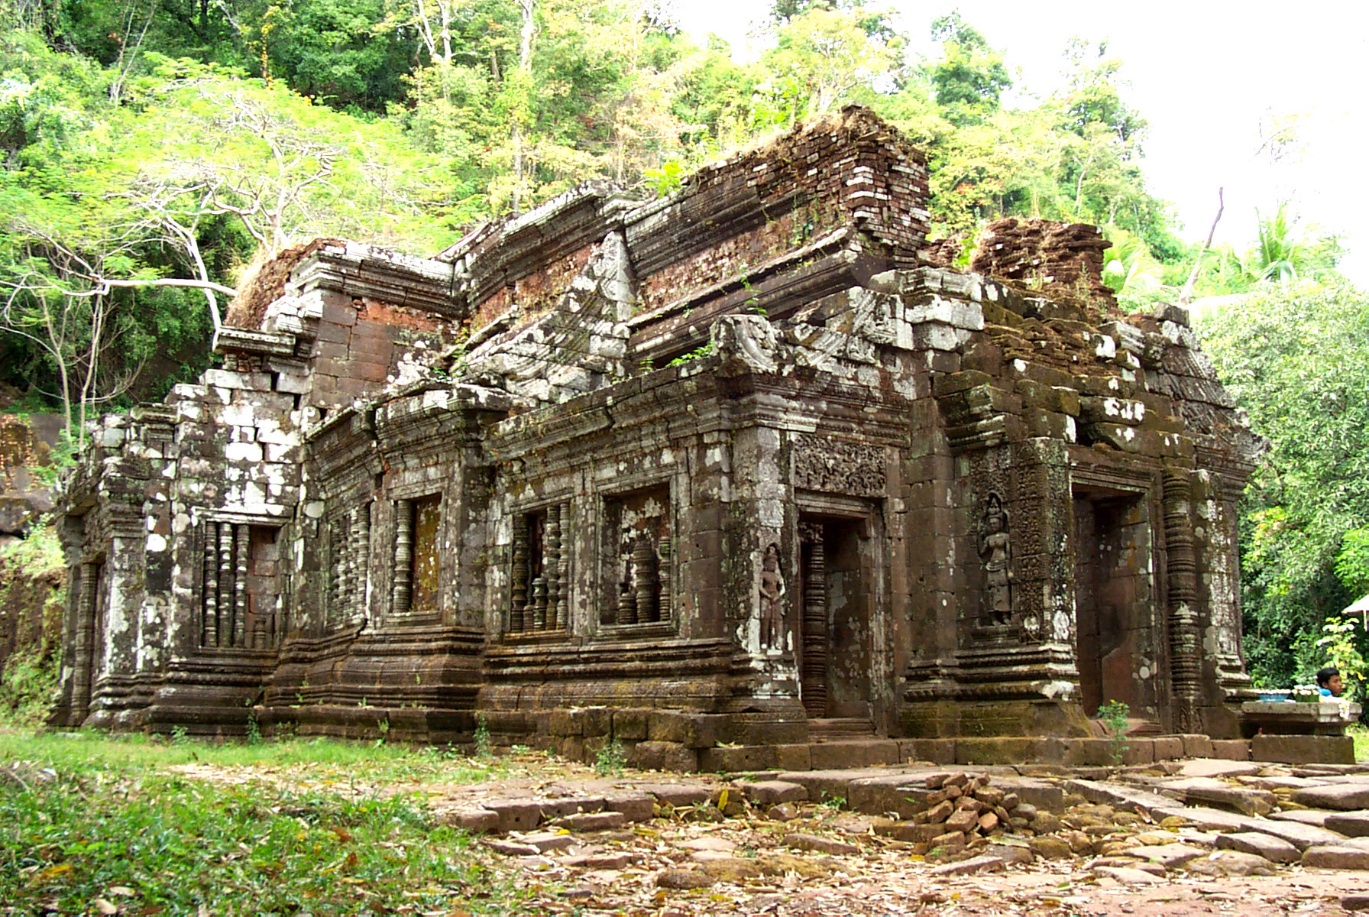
point(837, 601)
point(1116, 645)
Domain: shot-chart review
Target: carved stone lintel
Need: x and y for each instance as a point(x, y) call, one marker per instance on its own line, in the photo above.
point(839, 466)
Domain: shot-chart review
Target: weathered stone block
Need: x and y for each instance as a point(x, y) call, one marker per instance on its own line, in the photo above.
point(1231, 749)
point(1303, 749)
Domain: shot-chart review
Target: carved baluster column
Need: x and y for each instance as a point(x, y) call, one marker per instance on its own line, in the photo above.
point(226, 604)
point(404, 557)
point(519, 586)
point(242, 545)
point(539, 603)
point(644, 578)
point(362, 552)
point(814, 673)
point(563, 567)
point(1181, 564)
point(209, 636)
point(332, 595)
point(664, 597)
point(551, 565)
point(627, 593)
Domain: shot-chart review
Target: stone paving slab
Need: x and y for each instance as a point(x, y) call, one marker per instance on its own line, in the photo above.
point(1343, 797)
point(1205, 817)
point(1217, 767)
point(1351, 824)
point(1116, 794)
point(1299, 835)
point(1314, 817)
point(1214, 792)
point(1167, 855)
point(1274, 849)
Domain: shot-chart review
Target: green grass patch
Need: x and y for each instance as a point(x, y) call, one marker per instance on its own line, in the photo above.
point(89, 822)
point(1360, 733)
point(321, 760)
point(170, 845)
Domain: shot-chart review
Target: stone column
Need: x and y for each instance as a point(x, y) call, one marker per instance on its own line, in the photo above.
point(814, 678)
point(551, 566)
point(1185, 662)
point(81, 646)
point(209, 634)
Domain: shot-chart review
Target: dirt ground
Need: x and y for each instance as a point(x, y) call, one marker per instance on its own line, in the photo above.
point(748, 864)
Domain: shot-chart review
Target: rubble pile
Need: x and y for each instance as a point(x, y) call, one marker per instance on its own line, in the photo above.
point(1066, 257)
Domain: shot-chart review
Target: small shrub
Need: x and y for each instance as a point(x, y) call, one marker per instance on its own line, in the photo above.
point(610, 760)
point(1114, 715)
point(484, 748)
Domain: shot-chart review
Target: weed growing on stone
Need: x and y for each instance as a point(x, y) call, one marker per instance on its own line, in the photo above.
point(1114, 715)
point(610, 760)
point(484, 749)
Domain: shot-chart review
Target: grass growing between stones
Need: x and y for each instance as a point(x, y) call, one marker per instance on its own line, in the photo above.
point(90, 824)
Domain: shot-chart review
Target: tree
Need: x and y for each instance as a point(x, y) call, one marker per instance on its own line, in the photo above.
point(1296, 357)
point(970, 77)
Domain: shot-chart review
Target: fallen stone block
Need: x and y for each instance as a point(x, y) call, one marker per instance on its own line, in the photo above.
point(983, 863)
point(683, 879)
point(1169, 856)
point(544, 841)
point(1274, 849)
point(1351, 824)
point(1332, 857)
point(772, 792)
point(819, 844)
point(476, 821)
point(515, 814)
point(1230, 863)
point(1299, 835)
point(592, 821)
point(1213, 792)
point(1126, 875)
point(620, 860)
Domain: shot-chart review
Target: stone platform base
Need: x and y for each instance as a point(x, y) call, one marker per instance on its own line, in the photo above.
point(1303, 749)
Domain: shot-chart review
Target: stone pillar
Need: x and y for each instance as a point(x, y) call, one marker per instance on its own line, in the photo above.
point(814, 678)
point(1185, 662)
point(82, 650)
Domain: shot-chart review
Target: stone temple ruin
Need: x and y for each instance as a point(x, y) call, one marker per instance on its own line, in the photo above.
point(728, 472)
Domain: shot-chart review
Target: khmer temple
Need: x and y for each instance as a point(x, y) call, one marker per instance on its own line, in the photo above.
point(724, 476)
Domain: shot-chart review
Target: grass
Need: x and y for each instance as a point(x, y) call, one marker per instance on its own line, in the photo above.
point(97, 824)
point(1360, 733)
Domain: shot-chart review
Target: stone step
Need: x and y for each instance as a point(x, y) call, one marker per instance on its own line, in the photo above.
point(830, 728)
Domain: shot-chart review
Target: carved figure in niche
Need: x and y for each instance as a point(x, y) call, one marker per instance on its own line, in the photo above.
point(994, 549)
point(772, 595)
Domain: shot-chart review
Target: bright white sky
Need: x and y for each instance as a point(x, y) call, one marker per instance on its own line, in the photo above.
point(1208, 76)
